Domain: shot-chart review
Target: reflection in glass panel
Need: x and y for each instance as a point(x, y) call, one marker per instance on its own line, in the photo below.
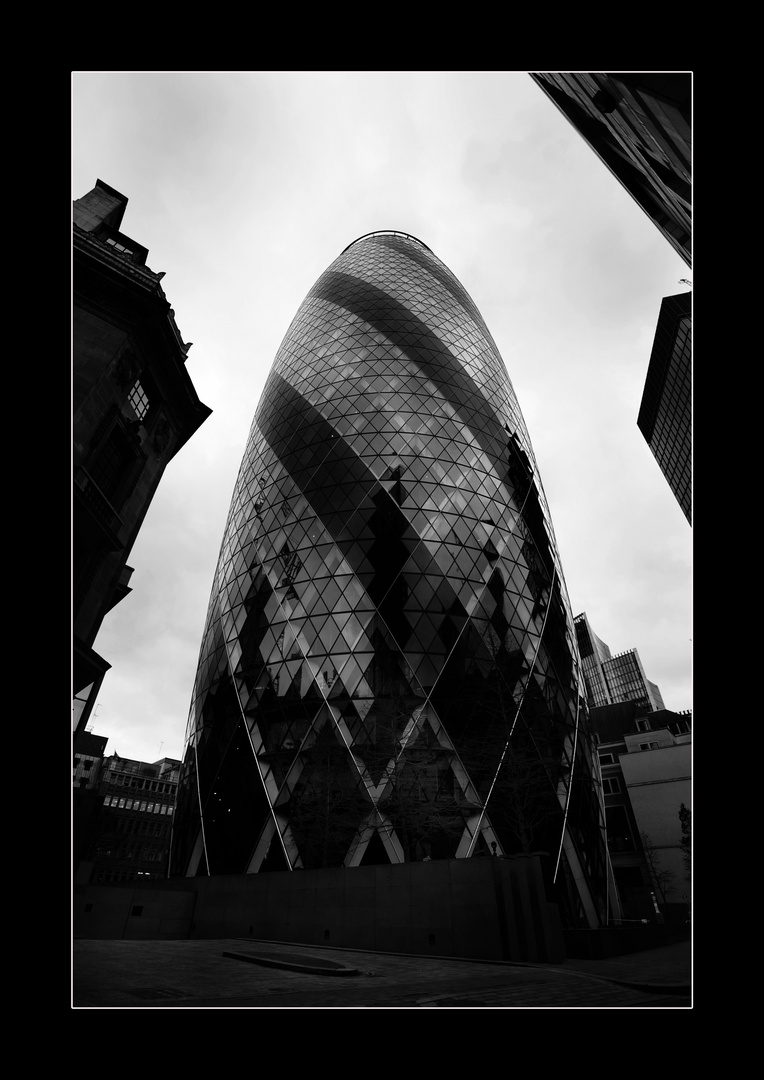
point(408, 666)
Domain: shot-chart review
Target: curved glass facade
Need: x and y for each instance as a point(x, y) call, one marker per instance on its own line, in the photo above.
point(389, 669)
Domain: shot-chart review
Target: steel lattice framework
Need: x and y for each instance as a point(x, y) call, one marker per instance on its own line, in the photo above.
point(389, 668)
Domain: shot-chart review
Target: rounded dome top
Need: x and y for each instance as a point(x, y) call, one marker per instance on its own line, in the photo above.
point(388, 232)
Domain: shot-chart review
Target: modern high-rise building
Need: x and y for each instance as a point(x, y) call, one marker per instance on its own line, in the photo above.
point(639, 123)
point(665, 415)
point(389, 669)
point(612, 679)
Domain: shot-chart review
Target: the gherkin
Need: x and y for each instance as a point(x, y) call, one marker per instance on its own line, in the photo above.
point(389, 669)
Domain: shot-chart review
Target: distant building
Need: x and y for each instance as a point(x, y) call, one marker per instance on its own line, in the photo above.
point(639, 123)
point(665, 415)
point(134, 407)
point(89, 752)
point(611, 679)
point(123, 820)
point(646, 763)
point(87, 804)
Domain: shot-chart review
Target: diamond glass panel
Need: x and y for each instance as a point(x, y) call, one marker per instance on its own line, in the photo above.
point(397, 661)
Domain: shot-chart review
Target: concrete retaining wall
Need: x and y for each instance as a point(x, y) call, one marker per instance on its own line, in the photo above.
point(492, 909)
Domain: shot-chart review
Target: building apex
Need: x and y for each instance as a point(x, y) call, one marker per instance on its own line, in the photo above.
point(103, 205)
point(388, 232)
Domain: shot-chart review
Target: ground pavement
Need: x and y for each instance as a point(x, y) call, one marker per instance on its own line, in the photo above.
point(199, 975)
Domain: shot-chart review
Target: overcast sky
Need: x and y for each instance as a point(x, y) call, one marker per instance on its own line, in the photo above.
point(245, 186)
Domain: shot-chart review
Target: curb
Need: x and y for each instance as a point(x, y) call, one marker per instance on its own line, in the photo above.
point(654, 988)
point(326, 968)
point(678, 989)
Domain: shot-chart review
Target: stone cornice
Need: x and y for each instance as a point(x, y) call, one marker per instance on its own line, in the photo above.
point(141, 275)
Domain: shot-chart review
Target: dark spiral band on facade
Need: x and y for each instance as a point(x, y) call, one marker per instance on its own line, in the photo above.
point(389, 669)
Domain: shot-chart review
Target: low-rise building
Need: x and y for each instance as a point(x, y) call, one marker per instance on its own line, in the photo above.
point(123, 817)
point(646, 764)
point(134, 408)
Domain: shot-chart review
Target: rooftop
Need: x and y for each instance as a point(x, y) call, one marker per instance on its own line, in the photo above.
point(387, 232)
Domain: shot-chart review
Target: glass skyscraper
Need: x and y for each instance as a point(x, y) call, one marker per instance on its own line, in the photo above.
point(389, 669)
point(612, 679)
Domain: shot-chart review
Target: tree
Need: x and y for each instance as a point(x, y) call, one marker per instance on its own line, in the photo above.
point(412, 768)
point(661, 879)
point(685, 819)
point(511, 758)
point(424, 802)
point(511, 745)
point(326, 805)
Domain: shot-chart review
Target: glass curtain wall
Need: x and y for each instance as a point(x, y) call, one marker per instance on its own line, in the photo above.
point(389, 669)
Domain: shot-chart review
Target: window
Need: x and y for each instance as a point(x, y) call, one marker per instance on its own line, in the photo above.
point(139, 400)
point(611, 786)
point(114, 465)
point(118, 247)
point(607, 759)
point(619, 836)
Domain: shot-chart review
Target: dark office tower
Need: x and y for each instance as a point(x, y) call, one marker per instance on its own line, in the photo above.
point(639, 124)
point(665, 415)
point(389, 668)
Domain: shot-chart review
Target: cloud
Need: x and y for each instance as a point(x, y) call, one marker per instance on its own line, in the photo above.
point(246, 185)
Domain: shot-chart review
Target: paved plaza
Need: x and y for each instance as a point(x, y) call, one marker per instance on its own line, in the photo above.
point(199, 975)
